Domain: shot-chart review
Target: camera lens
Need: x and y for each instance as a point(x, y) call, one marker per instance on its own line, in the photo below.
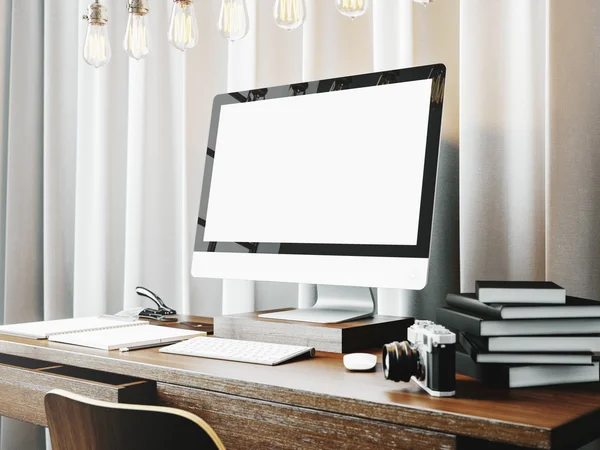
point(400, 361)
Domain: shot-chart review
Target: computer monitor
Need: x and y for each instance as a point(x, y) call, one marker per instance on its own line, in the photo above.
point(329, 182)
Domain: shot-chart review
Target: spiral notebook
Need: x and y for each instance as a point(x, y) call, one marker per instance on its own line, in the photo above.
point(47, 328)
point(126, 337)
point(100, 332)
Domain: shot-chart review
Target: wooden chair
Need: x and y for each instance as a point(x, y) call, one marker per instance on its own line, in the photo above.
point(80, 423)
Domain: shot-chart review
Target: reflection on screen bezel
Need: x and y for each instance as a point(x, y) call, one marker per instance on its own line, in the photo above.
point(436, 72)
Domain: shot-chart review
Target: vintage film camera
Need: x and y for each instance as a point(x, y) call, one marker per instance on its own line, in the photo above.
point(428, 357)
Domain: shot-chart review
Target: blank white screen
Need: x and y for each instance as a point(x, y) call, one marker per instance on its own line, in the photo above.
point(343, 167)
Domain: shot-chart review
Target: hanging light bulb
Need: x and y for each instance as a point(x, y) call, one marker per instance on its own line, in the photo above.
point(96, 48)
point(183, 29)
point(289, 14)
point(233, 19)
point(352, 8)
point(423, 2)
point(137, 41)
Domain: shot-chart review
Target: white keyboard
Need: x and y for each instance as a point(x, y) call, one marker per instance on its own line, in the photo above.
point(234, 350)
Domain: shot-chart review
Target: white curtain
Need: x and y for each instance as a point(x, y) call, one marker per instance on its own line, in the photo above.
point(529, 143)
point(529, 140)
point(100, 169)
point(94, 182)
point(93, 179)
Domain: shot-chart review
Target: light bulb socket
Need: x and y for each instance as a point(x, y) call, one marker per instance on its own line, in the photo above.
point(138, 7)
point(97, 14)
point(184, 2)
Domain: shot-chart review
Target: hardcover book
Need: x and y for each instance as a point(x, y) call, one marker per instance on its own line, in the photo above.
point(481, 355)
point(479, 325)
point(574, 307)
point(589, 343)
point(519, 292)
point(515, 376)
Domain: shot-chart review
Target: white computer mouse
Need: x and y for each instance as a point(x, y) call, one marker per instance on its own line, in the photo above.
point(359, 361)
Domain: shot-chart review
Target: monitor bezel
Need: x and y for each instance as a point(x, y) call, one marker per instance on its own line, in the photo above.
point(435, 72)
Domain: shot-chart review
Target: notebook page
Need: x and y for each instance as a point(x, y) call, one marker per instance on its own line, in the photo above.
point(43, 329)
point(116, 338)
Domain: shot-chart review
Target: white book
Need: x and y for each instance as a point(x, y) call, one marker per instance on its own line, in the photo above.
point(514, 376)
point(528, 327)
point(126, 337)
point(541, 292)
point(476, 349)
point(479, 325)
point(534, 358)
point(523, 376)
point(45, 329)
point(544, 344)
point(575, 307)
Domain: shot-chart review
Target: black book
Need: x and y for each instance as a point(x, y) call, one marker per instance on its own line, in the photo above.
point(480, 355)
point(479, 325)
point(515, 376)
point(520, 292)
point(589, 343)
point(574, 307)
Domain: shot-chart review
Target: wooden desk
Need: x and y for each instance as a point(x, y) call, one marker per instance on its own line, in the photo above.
point(309, 404)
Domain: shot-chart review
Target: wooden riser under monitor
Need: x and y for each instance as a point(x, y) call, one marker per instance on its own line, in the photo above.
point(344, 337)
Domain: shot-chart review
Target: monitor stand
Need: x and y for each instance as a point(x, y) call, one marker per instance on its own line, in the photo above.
point(334, 304)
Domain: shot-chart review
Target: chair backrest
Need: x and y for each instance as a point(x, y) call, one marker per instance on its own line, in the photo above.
point(80, 423)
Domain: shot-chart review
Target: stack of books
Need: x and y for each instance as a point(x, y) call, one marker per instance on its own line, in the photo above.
point(517, 334)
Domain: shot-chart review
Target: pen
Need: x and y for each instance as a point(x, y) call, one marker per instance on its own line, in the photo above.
point(123, 318)
point(139, 347)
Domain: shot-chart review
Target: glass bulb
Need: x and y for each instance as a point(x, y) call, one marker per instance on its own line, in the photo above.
point(137, 41)
point(352, 8)
point(289, 14)
point(233, 19)
point(96, 48)
point(183, 29)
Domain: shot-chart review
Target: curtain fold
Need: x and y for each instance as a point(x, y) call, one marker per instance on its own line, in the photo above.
point(21, 190)
point(206, 75)
point(23, 278)
point(59, 136)
point(334, 45)
point(6, 27)
point(502, 144)
point(392, 34)
point(573, 140)
point(100, 177)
